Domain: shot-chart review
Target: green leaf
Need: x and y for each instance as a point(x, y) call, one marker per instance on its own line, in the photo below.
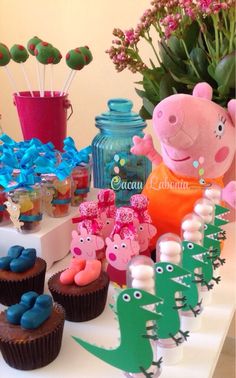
point(148, 105)
point(171, 62)
point(211, 70)
point(200, 61)
point(140, 93)
point(167, 86)
point(225, 72)
point(144, 113)
point(190, 35)
point(176, 47)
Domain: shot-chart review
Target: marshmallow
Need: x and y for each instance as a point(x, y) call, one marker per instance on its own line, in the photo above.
point(191, 225)
point(192, 236)
point(170, 248)
point(203, 209)
point(141, 272)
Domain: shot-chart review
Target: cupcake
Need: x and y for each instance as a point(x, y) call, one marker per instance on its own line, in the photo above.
point(81, 289)
point(31, 332)
point(20, 271)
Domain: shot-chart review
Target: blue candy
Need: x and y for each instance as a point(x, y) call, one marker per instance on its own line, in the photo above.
point(25, 261)
point(37, 315)
point(15, 312)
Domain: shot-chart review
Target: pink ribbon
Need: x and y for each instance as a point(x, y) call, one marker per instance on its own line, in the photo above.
point(124, 230)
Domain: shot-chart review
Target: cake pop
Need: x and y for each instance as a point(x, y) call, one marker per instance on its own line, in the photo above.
point(19, 54)
point(76, 59)
point(5, 58)
point(44, 54)
point(32, 43)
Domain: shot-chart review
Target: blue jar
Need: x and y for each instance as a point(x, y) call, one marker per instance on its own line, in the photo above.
point(113, 164)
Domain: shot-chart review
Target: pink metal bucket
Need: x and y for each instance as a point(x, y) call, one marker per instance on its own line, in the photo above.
point(45, 117)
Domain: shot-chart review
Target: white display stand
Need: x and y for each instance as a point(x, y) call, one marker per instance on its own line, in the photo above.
point(200, 354)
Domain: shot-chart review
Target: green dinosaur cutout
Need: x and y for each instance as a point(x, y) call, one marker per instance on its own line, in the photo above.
point(134, 353)
point(212, 243)
point(220, 211)
point(196, 257)
point(169, 280)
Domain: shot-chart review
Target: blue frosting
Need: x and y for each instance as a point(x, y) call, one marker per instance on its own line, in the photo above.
point(32, 311)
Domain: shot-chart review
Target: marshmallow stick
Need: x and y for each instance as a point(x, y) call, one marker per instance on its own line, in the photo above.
point(66, 82)
point(51, 79)
point(70, 81)
point(11, 79)
point(39, 78)
point(26, 78)
point(43, 79)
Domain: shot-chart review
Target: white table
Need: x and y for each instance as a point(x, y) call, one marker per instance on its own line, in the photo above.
point(201, 352)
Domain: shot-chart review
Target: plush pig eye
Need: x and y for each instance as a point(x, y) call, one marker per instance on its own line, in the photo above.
point(137, 295)
point(220, 128)
point(123, 245)
point(126, 297)
point(159, 270)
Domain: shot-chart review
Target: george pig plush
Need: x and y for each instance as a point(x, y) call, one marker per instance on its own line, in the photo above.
point(197, 138)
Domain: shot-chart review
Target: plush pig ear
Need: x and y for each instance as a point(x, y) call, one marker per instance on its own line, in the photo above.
point(203, 90)
point(232, 110)
point(108, 241)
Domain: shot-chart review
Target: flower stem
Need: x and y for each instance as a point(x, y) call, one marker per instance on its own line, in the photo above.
point(149, 40)
point(190, 60)
point(215, 23)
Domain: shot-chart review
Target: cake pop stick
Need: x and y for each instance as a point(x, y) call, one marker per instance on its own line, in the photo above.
point(44, 54)
point(19, 54)
point(31, 47)
point(5, 58)
point(76, 59)
point(56, 60)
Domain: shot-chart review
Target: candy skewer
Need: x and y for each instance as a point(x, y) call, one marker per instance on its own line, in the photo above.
point(39, 78)
point(26, 78)
point(66, 82)
point(56, 59)
point(12, 80)
point(43, 80)
point(45, 55)
point(31, 45)
point(51, 80)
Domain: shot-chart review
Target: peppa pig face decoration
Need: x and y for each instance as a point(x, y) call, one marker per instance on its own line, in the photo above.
point(120, 251)
point(107, 225)
point(85, 245)
point(146, 232)
point(190, 127)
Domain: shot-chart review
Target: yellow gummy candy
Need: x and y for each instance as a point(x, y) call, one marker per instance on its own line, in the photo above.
point(25, 204)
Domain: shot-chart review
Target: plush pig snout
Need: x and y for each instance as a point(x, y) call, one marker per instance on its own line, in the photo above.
point(170, 124)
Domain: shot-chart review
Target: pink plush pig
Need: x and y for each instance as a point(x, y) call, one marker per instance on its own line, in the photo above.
point(197, 139)
point(85, 245)
point(118, 253)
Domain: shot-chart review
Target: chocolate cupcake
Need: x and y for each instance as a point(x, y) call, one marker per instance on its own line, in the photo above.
point(82, 294)
point(28, 349)
point(20, 271)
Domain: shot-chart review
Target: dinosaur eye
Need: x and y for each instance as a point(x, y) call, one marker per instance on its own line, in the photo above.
point(169, 268)
point(159, 269)
point(123, 245)
point(190, 245)
point(115, 246)
point(137, 295)
point(141, 228)
point(126, 297)
point(81, 240)
point(205, 226)
point(88, 239)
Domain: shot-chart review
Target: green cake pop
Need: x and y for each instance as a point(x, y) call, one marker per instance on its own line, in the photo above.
point(57, 55)
point(44, 53)
point(19, 53)
point(5, 55)
point(87, 54)
point(75, 59)
point(32, 43)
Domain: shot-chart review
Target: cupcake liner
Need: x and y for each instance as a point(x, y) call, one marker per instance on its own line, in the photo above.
point(12, 290)
point(34, 353)
point(82, 306)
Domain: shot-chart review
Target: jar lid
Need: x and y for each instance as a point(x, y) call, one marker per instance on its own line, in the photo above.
point(120, 115)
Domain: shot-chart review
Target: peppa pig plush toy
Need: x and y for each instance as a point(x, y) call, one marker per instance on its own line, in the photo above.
point(197, 139)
